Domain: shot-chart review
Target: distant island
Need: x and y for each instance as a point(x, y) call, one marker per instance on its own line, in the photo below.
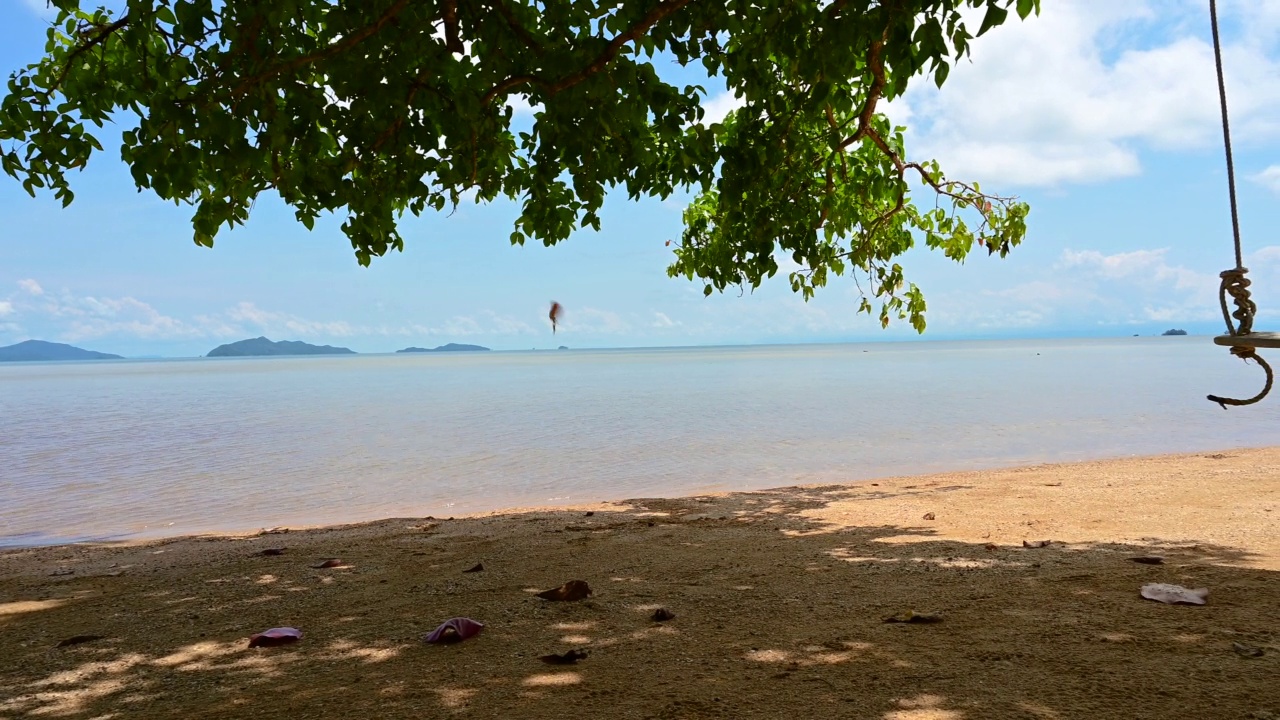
point(1174, 332)
point(451, 347)
point(39, 350)
point(563, 347)
point(262, 346)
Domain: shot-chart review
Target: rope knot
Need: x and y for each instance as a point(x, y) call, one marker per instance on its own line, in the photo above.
point(1236, 286)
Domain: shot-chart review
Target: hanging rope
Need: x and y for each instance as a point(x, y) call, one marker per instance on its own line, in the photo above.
point(1247, 354)
point(1234, 283)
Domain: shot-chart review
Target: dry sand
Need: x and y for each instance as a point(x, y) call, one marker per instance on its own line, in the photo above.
point(779, 600)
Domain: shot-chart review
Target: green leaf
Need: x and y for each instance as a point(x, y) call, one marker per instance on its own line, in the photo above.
point(940, 73)
point(995, 16)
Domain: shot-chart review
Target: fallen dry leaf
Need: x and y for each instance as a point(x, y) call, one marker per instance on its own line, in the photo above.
point(913, 617)
point(567, 658)
point(1247, 650)
point(929, 516)
point(272, 551)
point(330, 563)
point(568, 592)
point(77, 639)
point(1148, 559)
point(478, 567)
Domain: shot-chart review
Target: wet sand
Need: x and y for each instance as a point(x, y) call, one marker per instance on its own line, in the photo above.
point(779, 600)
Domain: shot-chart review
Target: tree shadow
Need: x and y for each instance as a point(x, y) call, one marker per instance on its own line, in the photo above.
point(779, 612)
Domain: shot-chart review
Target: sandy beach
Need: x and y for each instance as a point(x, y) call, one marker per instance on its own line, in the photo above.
point(779, 600)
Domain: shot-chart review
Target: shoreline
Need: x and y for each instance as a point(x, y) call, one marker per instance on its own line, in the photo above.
point(134, 538)
point(779, 596)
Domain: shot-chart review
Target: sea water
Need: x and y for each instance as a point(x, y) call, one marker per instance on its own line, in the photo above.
point(117, 449)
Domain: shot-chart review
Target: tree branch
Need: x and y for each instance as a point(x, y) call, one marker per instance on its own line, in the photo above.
point(656, 15)
point(341, 46)
point(875, 63)
point(104, 32)
point(516, 27)
point(450, 16)
point(943, 189)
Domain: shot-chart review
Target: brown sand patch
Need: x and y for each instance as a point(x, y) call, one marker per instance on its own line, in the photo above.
point(780, 599)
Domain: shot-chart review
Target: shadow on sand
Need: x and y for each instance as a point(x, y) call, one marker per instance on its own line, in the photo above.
point(777, 615)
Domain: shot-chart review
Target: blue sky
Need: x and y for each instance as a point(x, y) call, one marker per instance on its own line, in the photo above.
point(1101, 114)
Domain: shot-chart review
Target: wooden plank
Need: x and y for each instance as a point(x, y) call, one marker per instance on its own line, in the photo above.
point(1254, 340)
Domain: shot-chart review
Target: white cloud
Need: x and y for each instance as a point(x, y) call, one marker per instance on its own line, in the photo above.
point(1073, 95)
point(720, 106)
point(487, 323)
point(1269, 255)
point(1088, 287)
point(248, 314)
point(592, 321)
point(69, 317)
point(1136, 287)
point(1269, 178)
point(1146, 268)
point(660, 320)
point(89, 317)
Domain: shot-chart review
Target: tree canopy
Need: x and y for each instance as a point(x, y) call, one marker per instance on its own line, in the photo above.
point(378, 107)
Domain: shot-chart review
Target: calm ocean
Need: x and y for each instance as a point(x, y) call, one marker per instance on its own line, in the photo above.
point(147, 448)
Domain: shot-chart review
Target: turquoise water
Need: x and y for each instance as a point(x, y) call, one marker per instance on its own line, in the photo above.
point(148, 448)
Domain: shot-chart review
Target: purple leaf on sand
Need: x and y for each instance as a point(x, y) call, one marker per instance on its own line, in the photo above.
point(1174, 594)
point(454, 630)
point(275, 636)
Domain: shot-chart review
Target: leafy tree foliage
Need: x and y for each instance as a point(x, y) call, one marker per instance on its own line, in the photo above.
point(375, 107)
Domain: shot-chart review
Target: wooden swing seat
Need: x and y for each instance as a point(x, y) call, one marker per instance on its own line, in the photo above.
point(1250, 340)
